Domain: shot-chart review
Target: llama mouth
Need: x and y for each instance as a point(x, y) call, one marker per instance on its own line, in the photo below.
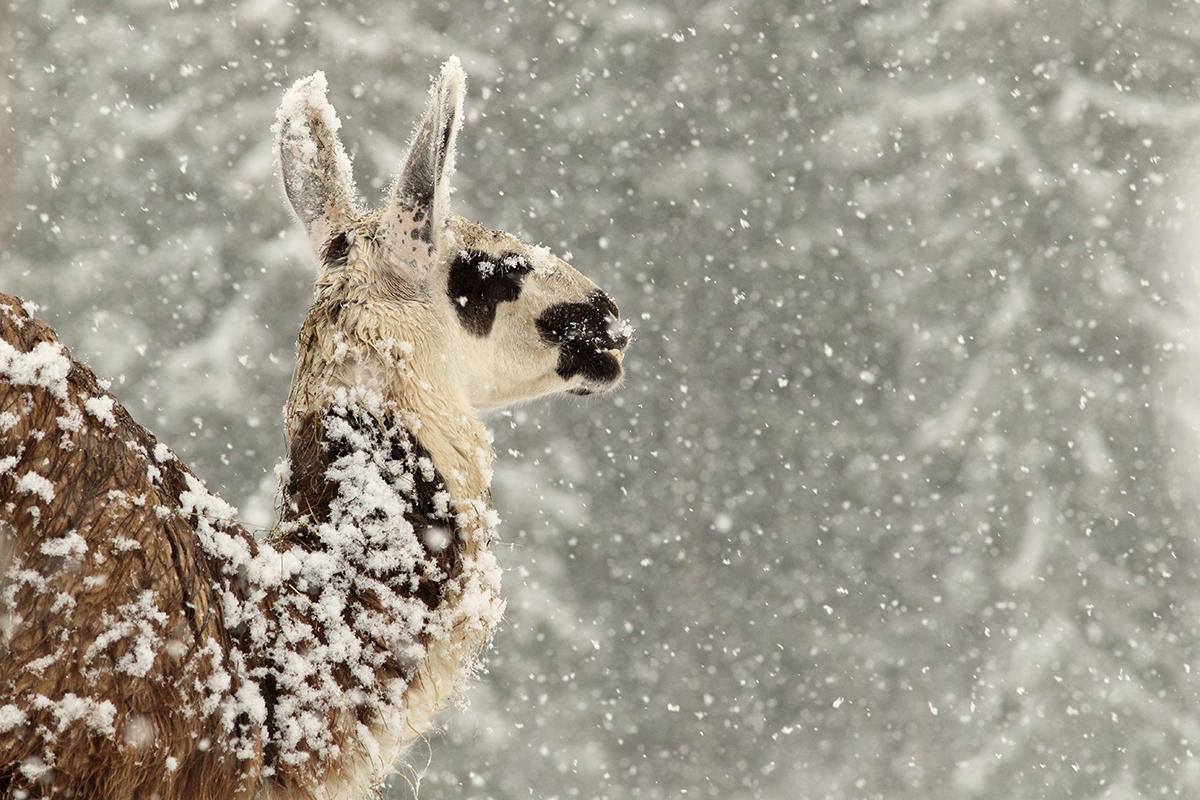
point(600, 368)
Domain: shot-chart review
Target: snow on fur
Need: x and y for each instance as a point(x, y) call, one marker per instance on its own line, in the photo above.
point(152, 646)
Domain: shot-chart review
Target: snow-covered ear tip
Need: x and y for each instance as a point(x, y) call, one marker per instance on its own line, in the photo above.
point(452, 69)
point(316, 171)
point(302, 112)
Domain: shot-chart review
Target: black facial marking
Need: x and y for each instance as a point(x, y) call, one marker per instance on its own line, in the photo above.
point(584, 333)
point(479, 283)
point(591, 321)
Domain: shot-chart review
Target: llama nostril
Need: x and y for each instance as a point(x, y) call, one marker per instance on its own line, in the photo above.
point(593, 325)
point(603, 302)
point(620, 332)
point(616, 330)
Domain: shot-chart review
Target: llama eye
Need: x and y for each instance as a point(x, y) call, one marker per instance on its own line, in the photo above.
point(512, 267)
point(479, 283)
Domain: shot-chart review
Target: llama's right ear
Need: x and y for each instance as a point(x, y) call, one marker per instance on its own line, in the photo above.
point(420, 198)
point(316, 171)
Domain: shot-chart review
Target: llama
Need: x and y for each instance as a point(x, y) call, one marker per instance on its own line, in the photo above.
point(149, 645)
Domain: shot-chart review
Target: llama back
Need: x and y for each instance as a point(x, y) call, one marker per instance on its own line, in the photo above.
point(151, 647)
point(114, 650)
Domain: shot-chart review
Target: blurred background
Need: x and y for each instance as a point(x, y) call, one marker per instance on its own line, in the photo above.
point(899, 499)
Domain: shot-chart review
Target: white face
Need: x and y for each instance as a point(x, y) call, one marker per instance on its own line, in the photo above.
point(522, 323)
point(506, 320)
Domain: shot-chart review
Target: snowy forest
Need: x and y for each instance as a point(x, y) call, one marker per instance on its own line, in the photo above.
point(900, 499)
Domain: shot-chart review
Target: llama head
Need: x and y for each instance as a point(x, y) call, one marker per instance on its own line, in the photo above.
point(480, 311)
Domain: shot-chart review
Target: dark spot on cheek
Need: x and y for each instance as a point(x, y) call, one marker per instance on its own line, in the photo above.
point(479, 283)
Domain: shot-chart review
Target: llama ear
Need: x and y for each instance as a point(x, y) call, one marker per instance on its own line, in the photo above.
point(316, 171)
point(420, 198)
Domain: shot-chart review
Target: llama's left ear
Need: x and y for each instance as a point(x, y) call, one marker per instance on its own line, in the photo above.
point(420, 197)
point(316, 171)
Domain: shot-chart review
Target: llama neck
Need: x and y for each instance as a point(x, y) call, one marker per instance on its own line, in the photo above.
point(357, 475)
point(345, 362)
point(385, 523)
point(389, 578)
